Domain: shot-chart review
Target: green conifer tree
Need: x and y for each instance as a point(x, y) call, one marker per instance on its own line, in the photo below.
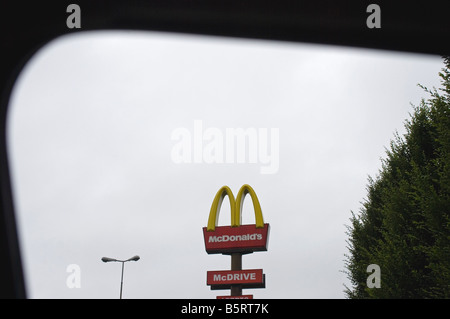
point(404, 223)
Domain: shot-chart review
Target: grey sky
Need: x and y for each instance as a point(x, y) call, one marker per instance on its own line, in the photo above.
point(89, 135)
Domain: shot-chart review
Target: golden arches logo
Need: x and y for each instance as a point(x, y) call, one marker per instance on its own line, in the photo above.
point(236, 207)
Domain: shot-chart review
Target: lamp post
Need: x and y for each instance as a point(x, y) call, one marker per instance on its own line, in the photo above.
point(107, 260)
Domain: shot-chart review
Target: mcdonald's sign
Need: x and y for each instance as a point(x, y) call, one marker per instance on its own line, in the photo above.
point(235, 297)
point(237, 237)
point(223, 279)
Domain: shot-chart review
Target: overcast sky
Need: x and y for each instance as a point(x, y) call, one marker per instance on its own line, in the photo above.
point(92, 133)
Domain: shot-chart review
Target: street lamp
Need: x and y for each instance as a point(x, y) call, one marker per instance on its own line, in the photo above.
point(107, 260)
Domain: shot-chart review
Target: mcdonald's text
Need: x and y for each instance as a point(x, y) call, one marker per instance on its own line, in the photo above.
point(227, 239)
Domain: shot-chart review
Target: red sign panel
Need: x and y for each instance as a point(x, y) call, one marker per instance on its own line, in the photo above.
point(244, 238)
point(234, 277)
point(235, 297)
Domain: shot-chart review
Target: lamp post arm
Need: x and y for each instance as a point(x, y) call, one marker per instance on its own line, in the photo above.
point(107, 259)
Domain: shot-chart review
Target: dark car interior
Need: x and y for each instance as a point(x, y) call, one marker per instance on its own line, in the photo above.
point(421, 27)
